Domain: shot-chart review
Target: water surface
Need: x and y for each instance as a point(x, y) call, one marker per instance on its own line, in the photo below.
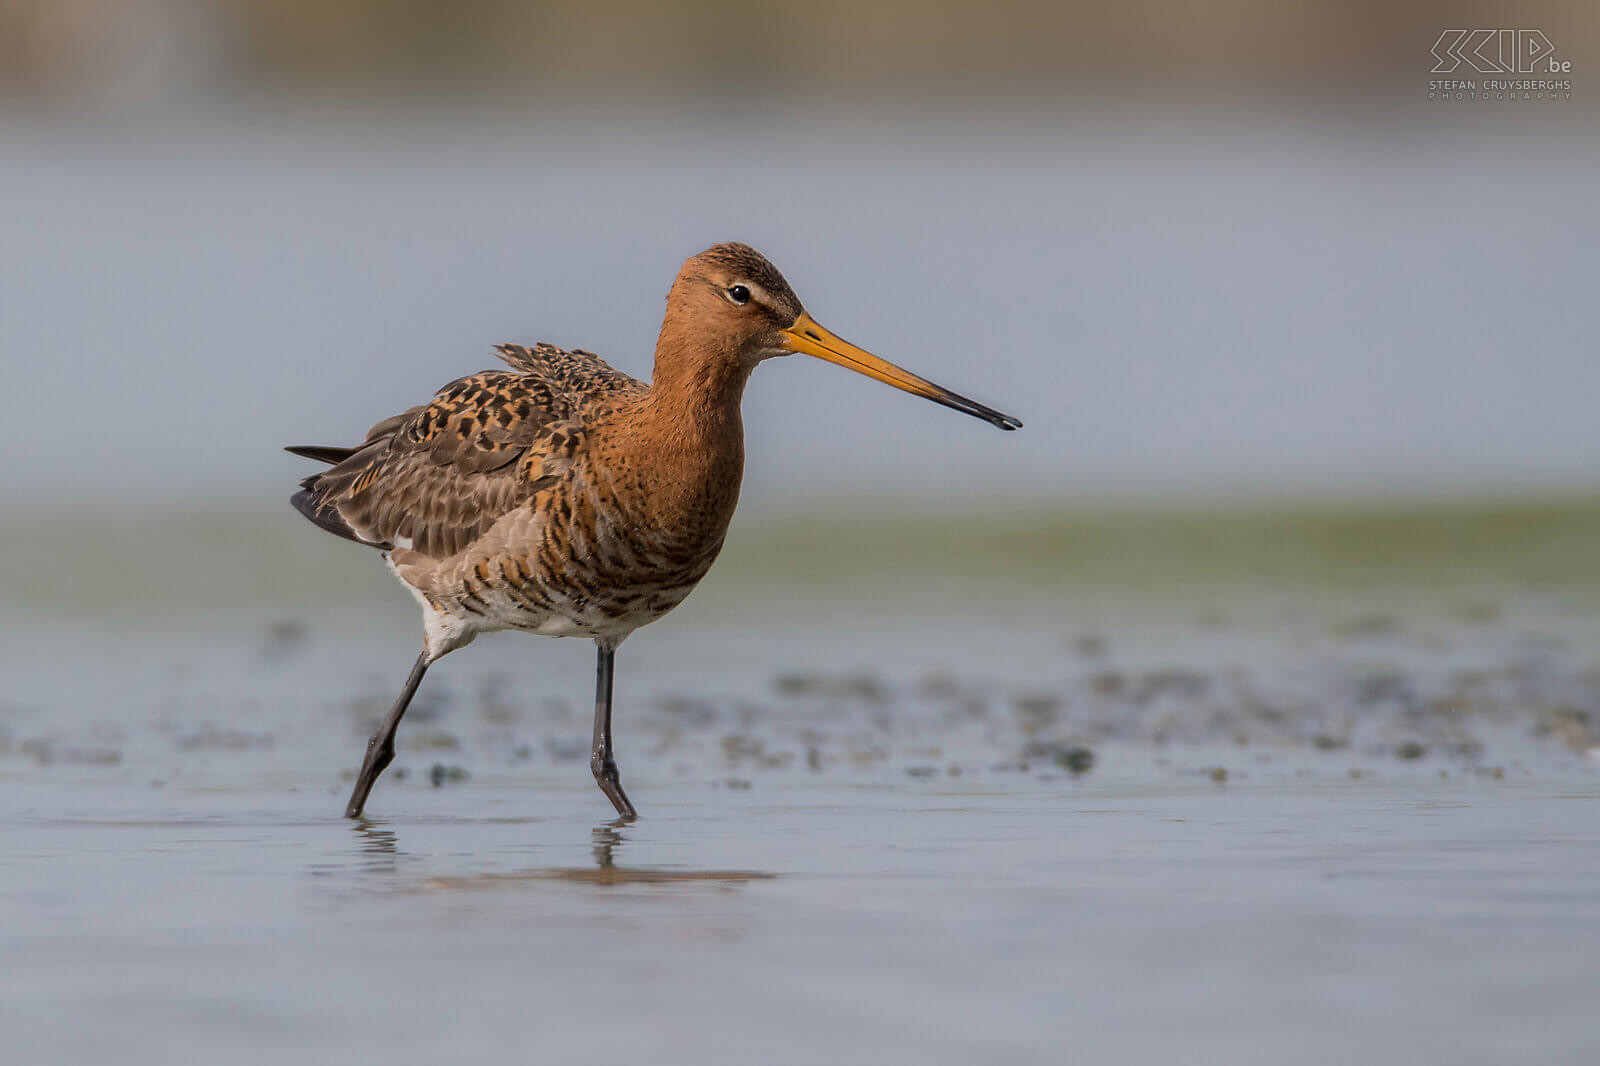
point(1227, 789)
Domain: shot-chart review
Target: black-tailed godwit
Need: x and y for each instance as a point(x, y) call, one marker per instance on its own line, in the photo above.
point(563, 497)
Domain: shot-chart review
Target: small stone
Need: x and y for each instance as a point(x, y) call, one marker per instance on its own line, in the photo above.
point(441, 775)
point(1077, 759)
point(863, 687)
point(285, 636)
point(1219, 775)
point(432, 740)
point(1410, 750)
point(213, 739)
point(1108, 683)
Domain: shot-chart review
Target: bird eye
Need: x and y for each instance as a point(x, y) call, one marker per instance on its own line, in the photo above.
point(739, 294)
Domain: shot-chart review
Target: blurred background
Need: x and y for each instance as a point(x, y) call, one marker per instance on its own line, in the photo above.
point(1220, 257)
point(1213, 250)
point(1244, 699)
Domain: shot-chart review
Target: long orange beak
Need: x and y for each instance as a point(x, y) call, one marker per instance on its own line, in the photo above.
point(808, 338)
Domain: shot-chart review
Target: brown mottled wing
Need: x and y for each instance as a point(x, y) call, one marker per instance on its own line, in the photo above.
point(435, 478)
point(581, 375)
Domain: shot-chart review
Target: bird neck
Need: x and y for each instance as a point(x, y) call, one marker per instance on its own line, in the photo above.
point(684, 442)
point(696, 391)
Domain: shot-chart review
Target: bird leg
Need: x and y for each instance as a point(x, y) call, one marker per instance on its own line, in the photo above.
point(380, 749)
point(601, 760)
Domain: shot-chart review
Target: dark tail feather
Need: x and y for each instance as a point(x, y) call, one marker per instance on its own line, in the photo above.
point(317, 492)
point(309, 502)
point(322, 453)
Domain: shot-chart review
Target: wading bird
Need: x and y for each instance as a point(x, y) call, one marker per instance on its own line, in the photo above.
point(565, 498)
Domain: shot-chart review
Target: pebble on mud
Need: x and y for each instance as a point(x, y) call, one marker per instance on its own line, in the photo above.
point(1410, 750)
point(1091, 645)
point(1035, 711)
point(432, 740)
point(1572, 726)
point(1074, 757)
point(862, 687)
point(442, 775)
point(212, 739)
point(1219, 775)
point(47, 753)
point(285, 636)
point(1077, 759)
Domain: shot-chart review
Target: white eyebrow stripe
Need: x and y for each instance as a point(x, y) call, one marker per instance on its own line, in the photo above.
point(757, 293)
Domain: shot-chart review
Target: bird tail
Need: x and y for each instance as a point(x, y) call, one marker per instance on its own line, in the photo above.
point(312, 499)
point(322, 453)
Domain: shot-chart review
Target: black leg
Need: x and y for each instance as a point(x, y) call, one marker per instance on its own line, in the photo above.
point(380, 749)
point(601, 760)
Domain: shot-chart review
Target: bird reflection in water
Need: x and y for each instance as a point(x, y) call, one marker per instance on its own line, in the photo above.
point(380, 849)
point(608, 839)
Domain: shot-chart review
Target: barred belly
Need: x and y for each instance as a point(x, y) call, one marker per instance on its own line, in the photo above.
point(582, 573)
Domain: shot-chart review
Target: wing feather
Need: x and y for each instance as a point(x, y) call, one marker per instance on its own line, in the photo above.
point(436, 477)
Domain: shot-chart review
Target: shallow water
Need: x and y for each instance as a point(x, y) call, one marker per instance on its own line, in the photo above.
point(1044, 922)
point(1249, 792)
